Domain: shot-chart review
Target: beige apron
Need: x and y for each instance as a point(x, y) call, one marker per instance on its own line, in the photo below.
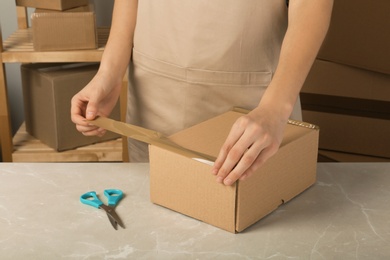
point(193, 60)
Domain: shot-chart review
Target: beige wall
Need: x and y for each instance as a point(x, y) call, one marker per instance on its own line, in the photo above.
point(8, 26)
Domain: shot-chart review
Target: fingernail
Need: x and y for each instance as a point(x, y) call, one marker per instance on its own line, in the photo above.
point(214, 171)
point(219, 179)
point(90, 115)
point(228, 182)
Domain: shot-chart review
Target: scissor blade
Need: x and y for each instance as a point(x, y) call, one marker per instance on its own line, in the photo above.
point(112, 221)
point(115, 217)
point(112, 215)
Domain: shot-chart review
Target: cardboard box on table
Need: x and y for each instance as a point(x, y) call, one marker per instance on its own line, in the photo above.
point(185, 185)
point(74, 29)
point(47, 91)
point(52, 4)
point(351, 106)
point(359, 35)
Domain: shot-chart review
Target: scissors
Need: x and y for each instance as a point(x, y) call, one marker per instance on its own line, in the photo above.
point(113, 196)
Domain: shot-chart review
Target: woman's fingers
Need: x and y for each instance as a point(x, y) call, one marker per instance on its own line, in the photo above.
point(234, 135)
point(244, 160)
point(249, 144)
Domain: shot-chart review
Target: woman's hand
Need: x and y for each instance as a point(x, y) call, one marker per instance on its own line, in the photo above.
point(253, 139)
point(98, 98)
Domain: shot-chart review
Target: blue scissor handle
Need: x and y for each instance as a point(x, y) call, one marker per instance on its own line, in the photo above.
point(113, 196)
point(90, 198)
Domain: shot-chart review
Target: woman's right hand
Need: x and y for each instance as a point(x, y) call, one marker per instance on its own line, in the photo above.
point(98, 98)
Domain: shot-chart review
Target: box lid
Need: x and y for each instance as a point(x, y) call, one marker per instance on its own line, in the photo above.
point(208, 136)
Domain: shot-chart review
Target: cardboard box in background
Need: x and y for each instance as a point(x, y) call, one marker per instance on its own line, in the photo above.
point(359, 35)
point(334, 156)
point(187, 186)
point(352, 134)
point(84, 8)
point(351, 106)
point(47, 91)
point(52, 4)
point(333, 79)
point(57, 31)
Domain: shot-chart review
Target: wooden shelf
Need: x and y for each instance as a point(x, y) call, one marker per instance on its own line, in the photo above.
point(30, 149)
point(18, 47)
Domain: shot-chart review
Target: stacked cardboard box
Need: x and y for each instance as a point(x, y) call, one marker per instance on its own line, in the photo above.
point(347, 92)
point(59, 5)
point(62, 24)
point(359, 35)
point(47, 91)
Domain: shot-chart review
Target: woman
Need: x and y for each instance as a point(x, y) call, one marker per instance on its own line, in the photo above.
point(192, 60)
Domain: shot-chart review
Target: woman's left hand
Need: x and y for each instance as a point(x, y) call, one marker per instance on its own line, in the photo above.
point(253, 139)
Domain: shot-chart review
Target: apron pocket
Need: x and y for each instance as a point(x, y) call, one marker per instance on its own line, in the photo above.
point(200, 76)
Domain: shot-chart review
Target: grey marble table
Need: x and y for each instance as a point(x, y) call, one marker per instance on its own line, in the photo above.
point(345, 215)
